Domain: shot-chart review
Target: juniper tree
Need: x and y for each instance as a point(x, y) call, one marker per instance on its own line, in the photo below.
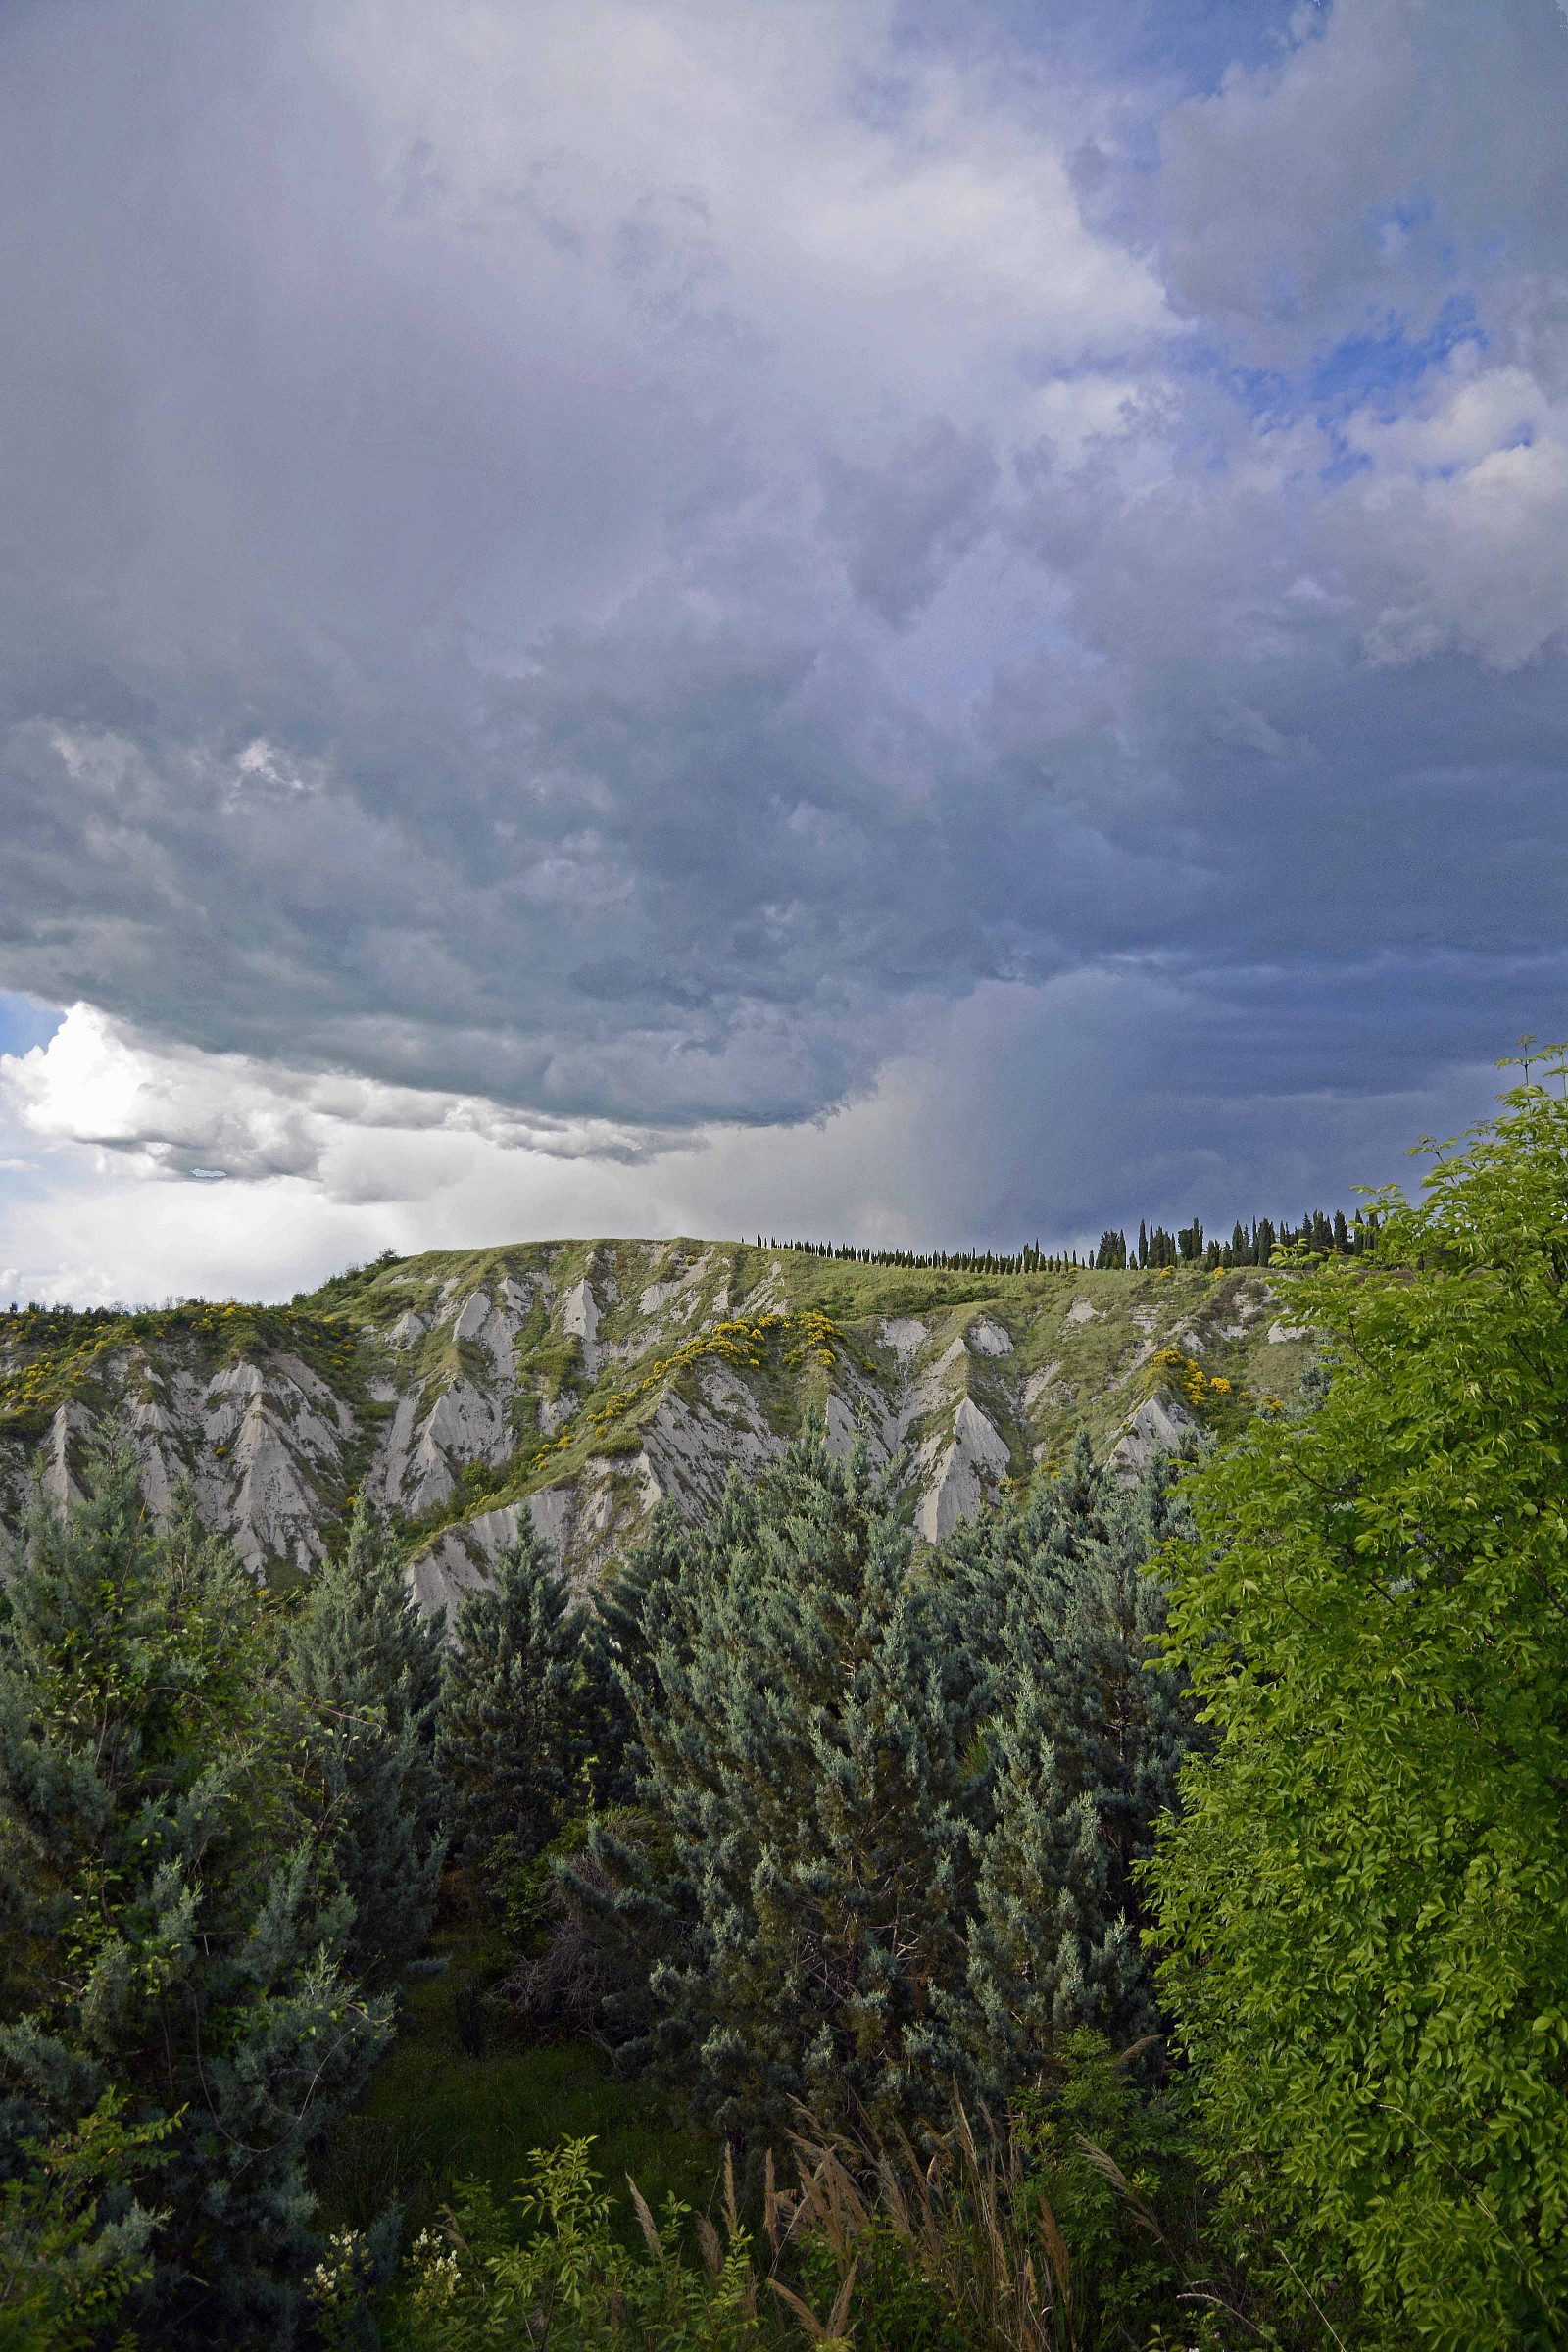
point(170, 1946)
point(650, 1598)
point(367, 1664)
point(805, 1766)
point(511, 1721)
point(629, 1898)
point(1087, 1735)
point(630, 1610)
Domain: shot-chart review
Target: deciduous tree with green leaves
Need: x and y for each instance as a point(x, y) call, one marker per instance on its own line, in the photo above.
point(1365, 1904)
point(75, 2236)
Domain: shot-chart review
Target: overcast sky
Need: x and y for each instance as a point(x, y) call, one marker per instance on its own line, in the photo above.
point(921, 622)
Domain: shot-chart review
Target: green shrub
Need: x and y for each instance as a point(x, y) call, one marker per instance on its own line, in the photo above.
point(1116, 2166)
point(1034, 2238)
point(556, 2275)
point(1366, 1898)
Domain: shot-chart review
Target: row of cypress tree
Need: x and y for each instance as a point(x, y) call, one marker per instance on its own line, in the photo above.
point(1251, 1244)
point(1030, 1260)
point(1318, 1233)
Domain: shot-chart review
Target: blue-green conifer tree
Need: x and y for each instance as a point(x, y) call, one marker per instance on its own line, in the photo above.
point(1087, 1731)
point(510, 1732)
point(809, 1792)
point(367, 1665)
point(169, 1943)
point(630, 1612)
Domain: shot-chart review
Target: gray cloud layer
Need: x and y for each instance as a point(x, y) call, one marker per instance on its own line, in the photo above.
point(621, 559)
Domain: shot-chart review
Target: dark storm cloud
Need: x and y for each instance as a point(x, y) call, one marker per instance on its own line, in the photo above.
point(622, 568)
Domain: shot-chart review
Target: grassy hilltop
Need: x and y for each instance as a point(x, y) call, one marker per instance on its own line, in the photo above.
point(584, 1377)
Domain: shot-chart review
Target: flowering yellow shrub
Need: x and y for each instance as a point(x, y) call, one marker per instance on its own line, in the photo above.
point(739, 1341)
point(1184, 1372)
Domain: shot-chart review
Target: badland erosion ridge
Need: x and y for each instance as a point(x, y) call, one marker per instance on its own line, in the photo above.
point(580, 1381)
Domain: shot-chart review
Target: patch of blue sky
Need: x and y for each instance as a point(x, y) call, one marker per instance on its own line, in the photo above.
point(26, 1023)
point(1197, 42)
point(1380, 372)
point(1193, 43)
point(1378, 369)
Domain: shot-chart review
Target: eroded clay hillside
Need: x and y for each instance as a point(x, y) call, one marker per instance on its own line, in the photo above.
point(578, 1382)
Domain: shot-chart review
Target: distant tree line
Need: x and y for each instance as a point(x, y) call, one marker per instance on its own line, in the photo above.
point(1029, 1260)
point(88, 1317)
point(1319, 1234)
point(1249, 1246)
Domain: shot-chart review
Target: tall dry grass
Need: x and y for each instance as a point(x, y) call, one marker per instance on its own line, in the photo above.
point(997, 2259)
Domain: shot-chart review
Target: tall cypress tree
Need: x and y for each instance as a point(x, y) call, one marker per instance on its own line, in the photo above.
point(511, 1725)
point(1086, 1736)
point(369, 1666)
point(170, 1940)
point(631, 1610)
point(805, 1756)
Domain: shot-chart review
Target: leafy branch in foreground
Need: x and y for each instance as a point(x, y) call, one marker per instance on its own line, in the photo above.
point(1364, 1900)
point(74, 2240)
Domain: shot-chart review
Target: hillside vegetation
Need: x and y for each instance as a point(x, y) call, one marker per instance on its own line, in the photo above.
point(1130, 1915)
point(581, 1382)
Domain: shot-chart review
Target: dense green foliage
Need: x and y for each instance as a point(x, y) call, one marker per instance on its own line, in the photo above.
point(1087, 1741)
point(629, 1620)
point(806, 1765)
point(73, 2239)
point(1365, 1900)
point(563, 2277)
point(173, 1942)
point(888, 1809)
point(368, 1667)
point(1066, 2230)
point(511, 1719)
point(861, 1850)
